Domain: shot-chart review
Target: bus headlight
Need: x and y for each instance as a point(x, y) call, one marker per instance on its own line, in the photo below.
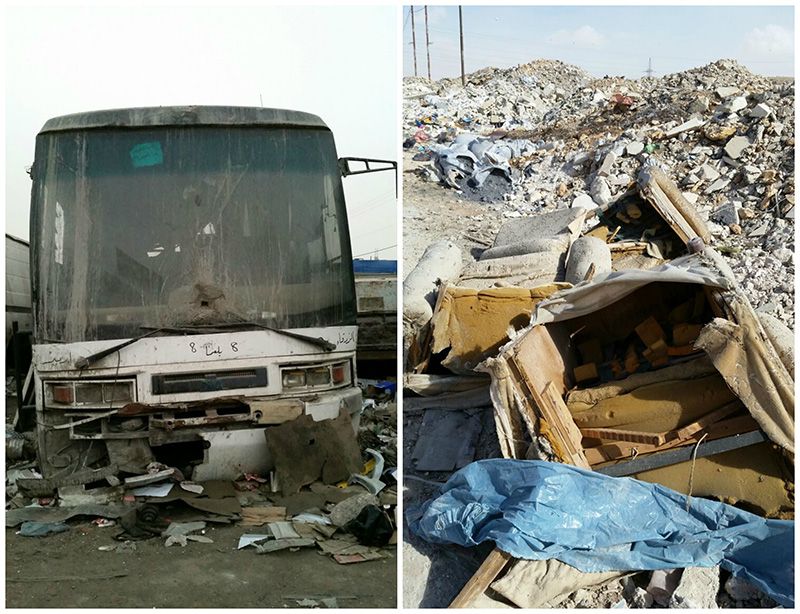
point(294, 379)
point(316, 376)
point(92, 394)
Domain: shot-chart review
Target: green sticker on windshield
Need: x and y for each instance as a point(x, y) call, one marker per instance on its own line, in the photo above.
point(147, 154)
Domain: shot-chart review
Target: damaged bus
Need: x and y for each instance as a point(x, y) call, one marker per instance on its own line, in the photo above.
point(192, 285)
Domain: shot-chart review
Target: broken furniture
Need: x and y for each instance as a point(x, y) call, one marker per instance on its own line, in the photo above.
point(728, 385)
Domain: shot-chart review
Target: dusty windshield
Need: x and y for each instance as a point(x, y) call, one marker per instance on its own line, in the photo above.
point(193, 225)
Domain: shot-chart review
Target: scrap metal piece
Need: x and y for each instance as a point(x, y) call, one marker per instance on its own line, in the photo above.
point(679, 455)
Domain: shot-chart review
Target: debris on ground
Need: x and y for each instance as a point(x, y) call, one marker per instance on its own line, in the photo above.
point(630, 294)
point(338, 496)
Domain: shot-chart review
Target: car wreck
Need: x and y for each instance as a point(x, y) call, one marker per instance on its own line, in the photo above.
point(195, 335)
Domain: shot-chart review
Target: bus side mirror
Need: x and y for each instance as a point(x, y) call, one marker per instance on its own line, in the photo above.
point(359, 166)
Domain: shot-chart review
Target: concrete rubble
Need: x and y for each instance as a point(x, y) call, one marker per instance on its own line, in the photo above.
point(739, 149)
point(699, 162)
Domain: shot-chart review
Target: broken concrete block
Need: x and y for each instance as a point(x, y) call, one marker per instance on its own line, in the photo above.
point(692, 124)
point(634, 149)
point(718, 185)
point(697, 589)
point(608, 163)
point(736, 146)
point(585, 253)
point(533, 246)
point(662, 585)
point(583, 201)
point(441, 261)
point(700, 104)
point(741, 590)
point(727, 92)
point(548, 232)
point(708, 172)
point(565, 222)
point(525, 271)
point(640, 598)
point(751, 173)
point(726, 214)
point(600, 191)
point(580, 158)
point(760, 110)
point(734, 105)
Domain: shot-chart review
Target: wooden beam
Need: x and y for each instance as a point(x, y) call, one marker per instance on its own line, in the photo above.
point(480, 581)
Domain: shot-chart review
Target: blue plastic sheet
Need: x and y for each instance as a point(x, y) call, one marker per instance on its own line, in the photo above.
point(539, 510)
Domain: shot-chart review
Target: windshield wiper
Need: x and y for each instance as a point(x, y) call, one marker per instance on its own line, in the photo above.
point(82, 363)
point(317, 341)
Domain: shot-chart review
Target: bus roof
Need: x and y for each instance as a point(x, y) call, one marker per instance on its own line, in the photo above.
point(183, 116)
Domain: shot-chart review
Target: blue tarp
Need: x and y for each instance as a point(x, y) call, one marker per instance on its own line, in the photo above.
point(387, 267)
point(539, 510)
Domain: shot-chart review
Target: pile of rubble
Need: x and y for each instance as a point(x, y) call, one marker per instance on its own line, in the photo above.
point(519, 97)
point(558, 139)
point(338, 495)
point(630, 313)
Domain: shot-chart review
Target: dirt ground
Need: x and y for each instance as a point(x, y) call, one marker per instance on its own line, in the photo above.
point(432, 213)
point(433, 575)
point(68, 571)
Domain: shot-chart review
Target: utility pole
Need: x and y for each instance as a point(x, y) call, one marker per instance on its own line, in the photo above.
point(427, 42)
point(649, 71)
point(414, 40)
point(461, 37)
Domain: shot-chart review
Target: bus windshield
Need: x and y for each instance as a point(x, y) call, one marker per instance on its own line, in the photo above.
point(187, 225)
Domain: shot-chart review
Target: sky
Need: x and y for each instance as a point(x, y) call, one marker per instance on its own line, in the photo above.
point(603, 40)
point(336, 62)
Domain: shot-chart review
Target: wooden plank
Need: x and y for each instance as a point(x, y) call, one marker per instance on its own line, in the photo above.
point(556, 413)
point(655, 439)
point(624, 449)
point(661, 203)
point(480, 581)
point(701, 423)
point(538, 356)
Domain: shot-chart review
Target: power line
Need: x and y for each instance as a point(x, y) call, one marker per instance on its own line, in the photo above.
point(375, 251)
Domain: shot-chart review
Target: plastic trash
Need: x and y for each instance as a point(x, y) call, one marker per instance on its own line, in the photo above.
point(41, 529)
point(371, 527)
point(538, 510)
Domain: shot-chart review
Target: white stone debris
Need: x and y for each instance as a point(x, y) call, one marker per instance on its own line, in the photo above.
point(734, 160)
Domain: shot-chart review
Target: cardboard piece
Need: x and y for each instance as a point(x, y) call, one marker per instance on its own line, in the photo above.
point(306, 451)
